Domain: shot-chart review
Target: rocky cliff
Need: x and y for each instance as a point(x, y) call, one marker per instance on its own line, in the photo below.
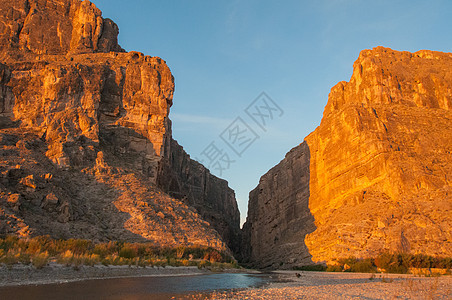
point(379, 169)
point(278, 217)
point(86, 146)
point(187, 180)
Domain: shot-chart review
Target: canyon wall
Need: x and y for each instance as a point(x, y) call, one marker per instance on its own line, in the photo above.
point(379, 167)
point(186, 179)
point(86, 138)
point(278, 217)
point(53, 27)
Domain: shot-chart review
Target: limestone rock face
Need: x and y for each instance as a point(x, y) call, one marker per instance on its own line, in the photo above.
point(86, 138)
point(380, 160)
point(188, 180)
point(120, 101)
point(6, 97)
point(54, 27)
point(278, 215)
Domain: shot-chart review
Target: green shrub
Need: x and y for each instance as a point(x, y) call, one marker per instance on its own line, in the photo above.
point(24, 258)
point(318, 267)
point(40, 260)
point(79, 247)
point(393, 263)
point(101, 249)
point(334, 268)
point(9, 259)
point(213, 256)
point(363, 266)
point(75, 252)
point(383, 260)
point(203, 264)
point(8, 242)
point(127, 252)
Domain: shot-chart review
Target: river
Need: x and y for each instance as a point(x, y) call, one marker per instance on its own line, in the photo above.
point(161, 287)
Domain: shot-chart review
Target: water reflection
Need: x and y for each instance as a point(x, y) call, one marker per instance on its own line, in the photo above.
point(135, 288)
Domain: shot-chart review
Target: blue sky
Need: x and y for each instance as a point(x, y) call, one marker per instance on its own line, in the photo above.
point(224, 54)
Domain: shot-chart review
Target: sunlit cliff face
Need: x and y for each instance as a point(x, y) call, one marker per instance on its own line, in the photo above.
point(379, 166)
point(380, 158)
point(86, 137)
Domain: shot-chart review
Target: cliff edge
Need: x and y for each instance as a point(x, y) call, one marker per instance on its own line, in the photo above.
point(86, 144)
point(378, 165)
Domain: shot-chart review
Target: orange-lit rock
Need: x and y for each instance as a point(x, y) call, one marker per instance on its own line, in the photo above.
point(86, 138)
point(380, 161)
point(54, 27)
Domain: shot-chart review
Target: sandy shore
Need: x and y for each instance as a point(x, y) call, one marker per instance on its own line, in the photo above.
point(323, 285)
point(55, 273)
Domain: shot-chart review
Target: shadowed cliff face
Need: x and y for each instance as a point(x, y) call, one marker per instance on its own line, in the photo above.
point(380, 161)
point(278, 215)
point(74, 105)
point(188, 180)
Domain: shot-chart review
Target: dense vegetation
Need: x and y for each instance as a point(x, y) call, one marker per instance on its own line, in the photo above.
point(39, 251)
point(387, 262)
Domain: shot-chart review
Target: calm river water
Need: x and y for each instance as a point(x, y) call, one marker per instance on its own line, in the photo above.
point(163, 287)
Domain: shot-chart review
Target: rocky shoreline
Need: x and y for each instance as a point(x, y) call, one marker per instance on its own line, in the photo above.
point(340, 285)
point(289, 284)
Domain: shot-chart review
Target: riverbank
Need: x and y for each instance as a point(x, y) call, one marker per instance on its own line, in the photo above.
point(326, 285)
point(56, 273)
point(25, 282)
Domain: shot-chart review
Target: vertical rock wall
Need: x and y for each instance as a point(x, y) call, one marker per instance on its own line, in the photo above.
point(278, 215)
point(186, 179)
point(85, 137)
point(379, 165)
